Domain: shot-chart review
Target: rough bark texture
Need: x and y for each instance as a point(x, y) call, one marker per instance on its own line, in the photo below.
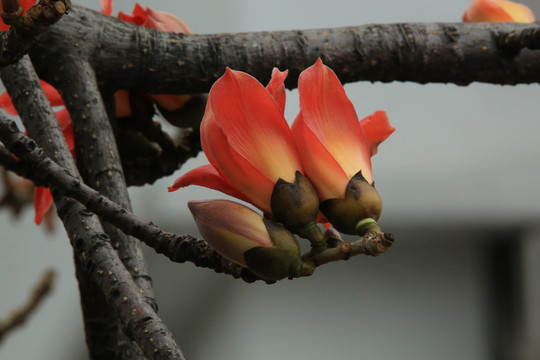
point(86, 52)
point(93, 251)
point(99, 320)
point(159, 62)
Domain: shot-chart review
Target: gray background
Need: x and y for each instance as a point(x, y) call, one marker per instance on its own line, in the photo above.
point(460, 172)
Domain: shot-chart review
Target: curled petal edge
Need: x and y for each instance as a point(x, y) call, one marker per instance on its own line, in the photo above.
point(376, 128)
point(209, 177)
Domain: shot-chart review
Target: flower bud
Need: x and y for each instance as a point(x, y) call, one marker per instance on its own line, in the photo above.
point(358, 212)
point(296, 206)
point(245, 238)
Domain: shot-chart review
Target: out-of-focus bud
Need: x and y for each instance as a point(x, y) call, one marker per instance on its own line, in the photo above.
point(242, 236)
point(296, 205)
point(358, 212)
point(497, 11)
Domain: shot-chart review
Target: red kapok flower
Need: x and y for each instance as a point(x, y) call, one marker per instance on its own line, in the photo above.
point(25, 4)
point(336, 148)
point(497, 11)
point(246, 139)
point(333, 144)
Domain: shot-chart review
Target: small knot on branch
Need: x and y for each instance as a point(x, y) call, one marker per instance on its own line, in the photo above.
point(11, 11)
point(511, 43)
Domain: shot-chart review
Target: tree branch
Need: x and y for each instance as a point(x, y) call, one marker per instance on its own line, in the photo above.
point(19, 316)
point(92, 247)
point(100, 321)
point(25, 29)
point(158, 62)
point(99, 161)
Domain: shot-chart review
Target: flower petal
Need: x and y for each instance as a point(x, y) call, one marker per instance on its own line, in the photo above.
point(376, 128)
point(276, 88)
point(66, 125)
point(166, 22)
point(154, 19)
point(320, 167)
point(252, 124)
point(497, 11)
point(123, 106)
point(245, 176)
point(331, 117)
point(106, 7)
point(42, 202)
point(52, 94)
point(207, 176)
point(170, 102)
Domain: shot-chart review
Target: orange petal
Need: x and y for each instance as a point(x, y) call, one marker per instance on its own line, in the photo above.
point(66, 125)
point(320, 167)
point(52, 94)
point(42, 202)
point(106, 7)
point(253, 126)
point(330, 115)
point(166, 22)
point(154, 19)
point(245, 176)
point(376, 128)
point(207, 176)
point(123, 106)
point(497, 11)
point(276, 88)
point(138, 16)
point(170, 102)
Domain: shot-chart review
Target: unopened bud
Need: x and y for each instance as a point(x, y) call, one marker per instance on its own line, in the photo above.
point(242, 236)
point(358, 212)
point(296, 206)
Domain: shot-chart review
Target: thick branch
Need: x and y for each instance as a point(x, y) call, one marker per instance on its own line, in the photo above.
point(92, 247)
point(100, 321)
point(99, 162)
point(158, 62)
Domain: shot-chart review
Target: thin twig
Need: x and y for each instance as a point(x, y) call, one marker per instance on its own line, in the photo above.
point(19, 316)
point(178, 248)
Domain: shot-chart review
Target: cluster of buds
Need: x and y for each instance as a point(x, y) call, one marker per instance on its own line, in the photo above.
point(318, 170)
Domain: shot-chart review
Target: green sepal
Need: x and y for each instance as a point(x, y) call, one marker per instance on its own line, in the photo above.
point(271, 263)
point(295, 204)
point(361, 201)
point(281, 237)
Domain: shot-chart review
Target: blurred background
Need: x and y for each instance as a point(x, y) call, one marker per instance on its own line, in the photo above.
point(459, 179)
